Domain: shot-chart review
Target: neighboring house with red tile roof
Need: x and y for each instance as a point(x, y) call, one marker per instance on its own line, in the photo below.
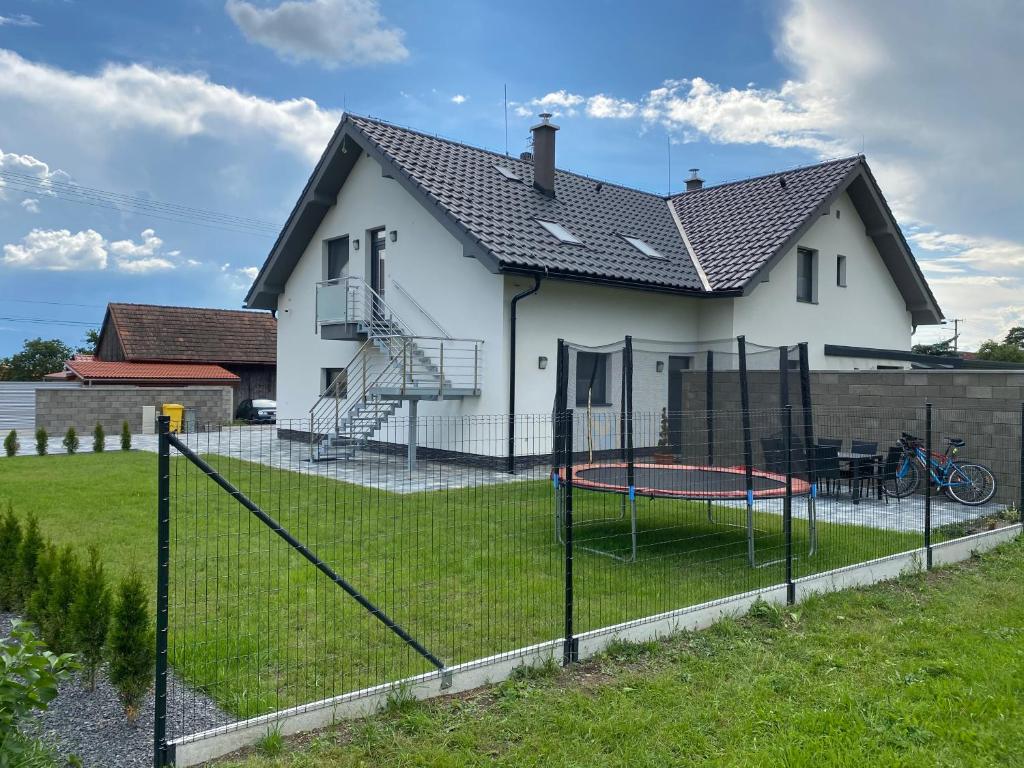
point(400, 233)
point(90, 371)
point(237, 347)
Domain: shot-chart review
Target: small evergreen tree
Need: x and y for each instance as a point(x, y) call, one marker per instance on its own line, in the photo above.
point(37, 602)
point(98, 439)
point(70, 440)
point(11, 444)
point(126, 437)
point(10, 545)
point(29, 554)
point(90, 615)
point(131, 644)
point(42, 440)
point(63, 588)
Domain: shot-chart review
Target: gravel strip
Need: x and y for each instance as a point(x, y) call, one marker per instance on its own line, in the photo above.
point(92, 725)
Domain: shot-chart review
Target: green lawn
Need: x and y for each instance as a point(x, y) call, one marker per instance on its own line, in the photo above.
point(468, 572)
point(928, 670)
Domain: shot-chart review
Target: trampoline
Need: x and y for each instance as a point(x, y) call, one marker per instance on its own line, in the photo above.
point(683, 481)
point(708, 428)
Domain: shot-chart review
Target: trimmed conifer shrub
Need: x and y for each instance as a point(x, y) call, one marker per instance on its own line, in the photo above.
point(63, 589)
point(10, 545)
point(70, 441)
point(29, 554)
point(131, 644)
point(126, 436)
point(90, 616)
point(42, 441)
point(11, 444)
point(98, 439)
point(37, 602)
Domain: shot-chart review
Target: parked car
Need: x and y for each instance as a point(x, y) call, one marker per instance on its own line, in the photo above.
point(257, 411)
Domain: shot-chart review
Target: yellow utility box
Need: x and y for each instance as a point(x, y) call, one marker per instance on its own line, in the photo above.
point(176, 412)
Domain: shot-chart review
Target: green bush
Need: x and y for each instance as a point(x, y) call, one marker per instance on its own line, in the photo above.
point(10, 544)
point(70, 441)
point(63, 589)
point(98, 439)
point(42, 440)
point(29, 554)
point(29, 674)
point(126, 437)
point(90, 615)
point(37, 601)
point(131, 645)
point(11, 444)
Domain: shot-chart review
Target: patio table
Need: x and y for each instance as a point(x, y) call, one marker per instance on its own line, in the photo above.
point(856, 461)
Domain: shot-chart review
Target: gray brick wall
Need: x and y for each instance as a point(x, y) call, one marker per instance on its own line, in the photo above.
point(83, 407)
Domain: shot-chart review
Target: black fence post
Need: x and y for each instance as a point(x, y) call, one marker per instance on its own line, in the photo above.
point(928, 486)
point(1020, 479)
point(569, 654)
point(163, 561)
point(787, 512)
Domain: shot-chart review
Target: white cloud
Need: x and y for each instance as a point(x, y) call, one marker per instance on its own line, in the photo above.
point(558, 103)
point(458, 98)
point(332, 32)
point(39, 173)
point(250, 272)
point(18, 20)
point(122, 97)
point(30, 204)
point(58, 250)
point(602, 106)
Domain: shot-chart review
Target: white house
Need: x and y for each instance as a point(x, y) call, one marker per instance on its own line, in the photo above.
point(396, 273)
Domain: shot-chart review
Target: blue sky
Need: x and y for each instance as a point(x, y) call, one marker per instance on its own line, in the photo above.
point(224, 107)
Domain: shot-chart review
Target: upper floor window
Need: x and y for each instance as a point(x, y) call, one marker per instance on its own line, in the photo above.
point(591, 378)
point(841, 271)
point(337, 257)
point(806, 275)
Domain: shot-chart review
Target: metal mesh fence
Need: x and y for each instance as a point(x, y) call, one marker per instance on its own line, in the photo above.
point(291, 581)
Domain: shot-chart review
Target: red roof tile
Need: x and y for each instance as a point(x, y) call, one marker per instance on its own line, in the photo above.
point(95, 370)
point(150, 332)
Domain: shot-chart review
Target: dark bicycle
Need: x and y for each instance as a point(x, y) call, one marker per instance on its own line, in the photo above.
point(968, 482)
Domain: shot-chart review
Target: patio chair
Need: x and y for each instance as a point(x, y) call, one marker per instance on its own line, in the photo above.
point(867, 474)
point(831, 442)
point(891, 465)
point(826, 467)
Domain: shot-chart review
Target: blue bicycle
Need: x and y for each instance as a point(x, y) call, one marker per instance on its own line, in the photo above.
point(969, 483)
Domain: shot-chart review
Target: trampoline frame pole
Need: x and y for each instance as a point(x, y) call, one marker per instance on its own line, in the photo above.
point(709, 403)
point(812, 454)
point(787, 514)
point(627, 364)
point(748, 450)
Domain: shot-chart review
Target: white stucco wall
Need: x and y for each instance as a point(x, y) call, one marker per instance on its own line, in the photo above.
point(425, 259)
point(869, 312)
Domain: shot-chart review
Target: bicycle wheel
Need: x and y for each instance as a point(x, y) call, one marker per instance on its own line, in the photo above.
point(906, 481)
point(971, 484)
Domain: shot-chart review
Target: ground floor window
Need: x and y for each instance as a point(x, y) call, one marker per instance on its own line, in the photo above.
point(591, 378)
point(337, 377)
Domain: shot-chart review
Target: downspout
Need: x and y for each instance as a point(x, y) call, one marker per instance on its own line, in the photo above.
point(512, 373)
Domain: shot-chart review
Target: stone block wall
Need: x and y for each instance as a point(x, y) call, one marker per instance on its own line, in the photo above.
point(83, 407)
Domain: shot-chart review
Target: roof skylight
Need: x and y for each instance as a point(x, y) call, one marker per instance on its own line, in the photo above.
point(507, 172)
point(643, 247)
point(560, 232)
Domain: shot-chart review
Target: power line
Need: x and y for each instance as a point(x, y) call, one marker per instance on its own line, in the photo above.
point(95, 197)
point(56, 303)
point(45, 321)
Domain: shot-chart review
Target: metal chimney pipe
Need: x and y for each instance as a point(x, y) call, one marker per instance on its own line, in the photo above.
point(544, 155)
point(695, 181)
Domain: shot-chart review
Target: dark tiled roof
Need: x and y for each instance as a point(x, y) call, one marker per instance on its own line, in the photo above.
point(502, 213)
point(734, 229)
point(190, 334)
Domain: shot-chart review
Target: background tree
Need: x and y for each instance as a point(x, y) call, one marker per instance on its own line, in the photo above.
point(126, 436)
point(37, 358)
point(1010, 350)
point(98, 439)
point(64, 588)
point(42, 441)
point(70, 441)
point(30, 553)
point(11, 444)
point(92, 340)
point(10, 544)
point(938, 349)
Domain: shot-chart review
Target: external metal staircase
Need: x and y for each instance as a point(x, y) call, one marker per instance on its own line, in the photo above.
point(393, 366)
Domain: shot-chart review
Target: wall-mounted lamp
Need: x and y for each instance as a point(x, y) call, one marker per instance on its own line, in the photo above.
point(542, 362)
point(659, 366)
point(394, 235)
point(355, 244)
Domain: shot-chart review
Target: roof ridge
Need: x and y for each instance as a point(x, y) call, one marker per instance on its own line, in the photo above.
point(188, 308)
point(794, 169)
point(503, 156)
